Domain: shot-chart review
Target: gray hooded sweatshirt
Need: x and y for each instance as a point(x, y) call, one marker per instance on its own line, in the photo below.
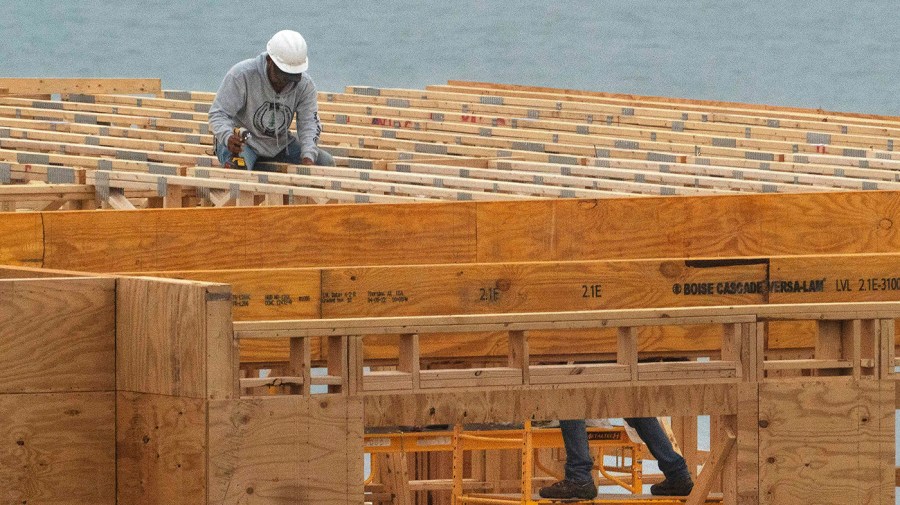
point(246, 99)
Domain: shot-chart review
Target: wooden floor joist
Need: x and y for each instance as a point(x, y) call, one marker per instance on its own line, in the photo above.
point(410, 112)
point(724, 125)
point(533, 130)
point(817, 115)
point(40, 86)
point(749, 110)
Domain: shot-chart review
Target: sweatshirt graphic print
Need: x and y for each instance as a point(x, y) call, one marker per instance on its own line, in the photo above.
point(246, 99)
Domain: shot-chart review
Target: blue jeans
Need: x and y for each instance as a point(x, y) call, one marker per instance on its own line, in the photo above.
point(290, 154)
point(580, 464)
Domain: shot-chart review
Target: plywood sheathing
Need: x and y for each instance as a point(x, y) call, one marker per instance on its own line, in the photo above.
point(57, 390)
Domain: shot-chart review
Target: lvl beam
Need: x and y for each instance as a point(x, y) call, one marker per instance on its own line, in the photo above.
point(733, 226)
point(691, 121)
point(21, 240)
point(57, 335)
point(235, 238)
point(340, 292)
point(697, 227)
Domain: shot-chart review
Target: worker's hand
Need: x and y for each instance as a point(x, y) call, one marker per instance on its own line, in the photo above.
point(306, 161)
point(235, 144)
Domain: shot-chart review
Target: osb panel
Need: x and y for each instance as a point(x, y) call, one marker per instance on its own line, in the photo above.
point(161, 445)
point(825, 442)
point(21, 239)
point(57, 335)
point(58, 448)
point(161, 337)
point(877, 444)
point(256, 450)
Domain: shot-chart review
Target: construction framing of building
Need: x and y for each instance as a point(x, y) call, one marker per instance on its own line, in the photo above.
point(483, 255)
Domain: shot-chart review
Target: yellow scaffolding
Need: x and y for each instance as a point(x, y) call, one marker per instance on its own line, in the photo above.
point(526, 439)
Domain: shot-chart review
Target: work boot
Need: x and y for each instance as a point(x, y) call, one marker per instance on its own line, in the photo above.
point(567, 490)
point(673, 487)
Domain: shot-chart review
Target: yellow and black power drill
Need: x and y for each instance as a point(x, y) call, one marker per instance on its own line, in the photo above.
point(237, 161)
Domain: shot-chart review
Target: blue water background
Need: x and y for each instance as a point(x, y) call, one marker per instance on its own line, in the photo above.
point(827, 54)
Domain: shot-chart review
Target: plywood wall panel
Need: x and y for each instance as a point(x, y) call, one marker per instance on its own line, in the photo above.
point(821, 441)
point(161, 449)
point(287, 449)
point(57, 335)
point(161, 337)
point(58, 448)
point(877, 442)
point(256, 450)
point(334, 444)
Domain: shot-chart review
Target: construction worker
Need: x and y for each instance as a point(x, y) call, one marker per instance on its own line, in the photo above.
point(579, 481)
point(256, 103)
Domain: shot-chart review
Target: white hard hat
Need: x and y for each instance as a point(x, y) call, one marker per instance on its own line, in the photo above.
point(287, 49)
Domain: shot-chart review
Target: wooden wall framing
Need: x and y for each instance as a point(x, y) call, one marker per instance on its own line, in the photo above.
point(181, 433)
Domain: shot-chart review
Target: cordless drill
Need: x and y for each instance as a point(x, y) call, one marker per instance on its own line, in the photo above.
point(237, 161)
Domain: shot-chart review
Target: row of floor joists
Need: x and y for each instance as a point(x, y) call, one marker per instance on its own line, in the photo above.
point(464, 141)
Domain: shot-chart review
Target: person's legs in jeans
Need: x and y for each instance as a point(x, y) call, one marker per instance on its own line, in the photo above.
point(651, 432)
point(579, 463)
point(293, 154)
point(678, 478)
point(579, 481)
